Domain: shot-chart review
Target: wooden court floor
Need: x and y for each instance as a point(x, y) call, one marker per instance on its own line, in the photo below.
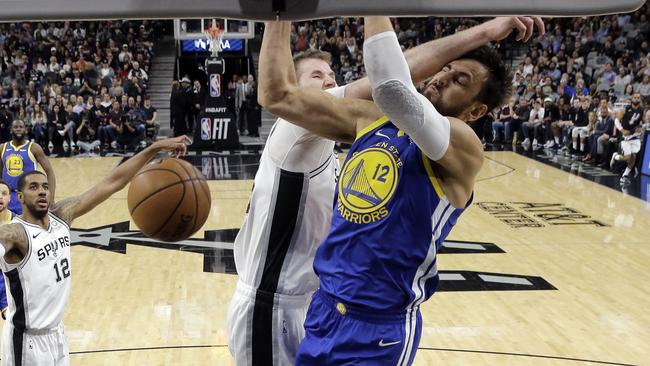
point(566, 279)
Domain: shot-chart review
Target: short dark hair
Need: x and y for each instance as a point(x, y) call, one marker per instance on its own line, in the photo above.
point(23, 179)
point(311, 54)
point(2, 182)
point(498, 87)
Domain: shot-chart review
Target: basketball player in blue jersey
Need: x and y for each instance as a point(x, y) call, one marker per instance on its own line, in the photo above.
point(5, 217)
point(407, 178)
point(290, 211)
point(20, 156)
point(35, 258)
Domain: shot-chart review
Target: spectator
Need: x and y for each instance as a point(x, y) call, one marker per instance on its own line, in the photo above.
point(88, 140)
point(533, 126)
point(151, 115)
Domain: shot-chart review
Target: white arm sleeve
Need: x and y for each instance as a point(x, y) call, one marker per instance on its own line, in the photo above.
point(396, 96)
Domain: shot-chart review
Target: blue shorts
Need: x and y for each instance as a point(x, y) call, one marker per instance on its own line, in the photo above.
point(14, 205)
point(336, 334)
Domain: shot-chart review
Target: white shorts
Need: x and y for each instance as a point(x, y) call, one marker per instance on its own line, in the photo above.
point(42, 348)
point(263, 328)
point(632, 146)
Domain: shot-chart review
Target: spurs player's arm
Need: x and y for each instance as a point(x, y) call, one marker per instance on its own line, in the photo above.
point(312, 109)
point(448, 141)
point(429, 58)
point(41, 159)
point(70, 208)
point(14, 242)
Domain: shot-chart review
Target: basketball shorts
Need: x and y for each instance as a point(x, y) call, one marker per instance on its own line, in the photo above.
point(265, 328)
point(337, 334)
point(42, 348)
point(632, 146)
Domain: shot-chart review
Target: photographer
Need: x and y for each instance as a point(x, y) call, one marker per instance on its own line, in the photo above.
point(87, 137)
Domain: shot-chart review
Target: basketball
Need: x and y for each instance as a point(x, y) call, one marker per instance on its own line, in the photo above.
point(169, 200)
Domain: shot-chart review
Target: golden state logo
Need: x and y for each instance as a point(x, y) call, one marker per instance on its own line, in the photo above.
point(14, 164)
point(366, 184)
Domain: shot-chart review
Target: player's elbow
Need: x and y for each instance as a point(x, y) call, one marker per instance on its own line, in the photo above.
point(275, 101)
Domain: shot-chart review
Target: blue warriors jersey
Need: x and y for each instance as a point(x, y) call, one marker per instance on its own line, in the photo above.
point(16, 160)
point(390, 218)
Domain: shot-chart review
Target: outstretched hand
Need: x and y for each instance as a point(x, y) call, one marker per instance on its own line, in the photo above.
point(499, 28)
point(177, 145)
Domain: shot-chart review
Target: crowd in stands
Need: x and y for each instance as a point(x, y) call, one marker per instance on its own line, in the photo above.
point(78, 85)
point(582, 89)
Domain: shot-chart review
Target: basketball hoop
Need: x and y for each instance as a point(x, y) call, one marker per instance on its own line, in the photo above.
point(215, 36)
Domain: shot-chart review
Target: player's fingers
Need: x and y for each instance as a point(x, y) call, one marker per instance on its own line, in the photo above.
point(541, 28)
point(521, 29)
point(529, 27)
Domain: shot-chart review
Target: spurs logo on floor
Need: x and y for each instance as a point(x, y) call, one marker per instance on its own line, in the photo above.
point(216, 248)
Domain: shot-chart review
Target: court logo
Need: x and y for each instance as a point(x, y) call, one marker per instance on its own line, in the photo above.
point(366, 184)
point(14, 165)
point(215, 85)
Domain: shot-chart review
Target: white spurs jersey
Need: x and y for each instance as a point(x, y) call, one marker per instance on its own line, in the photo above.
point(289, 212)
point(38, 287)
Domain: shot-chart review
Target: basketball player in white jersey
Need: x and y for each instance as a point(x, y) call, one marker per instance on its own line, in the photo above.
point(35, 257)
point(291, 204)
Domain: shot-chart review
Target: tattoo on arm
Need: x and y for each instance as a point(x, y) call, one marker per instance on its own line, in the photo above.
point(66, 209)
point(12, 236)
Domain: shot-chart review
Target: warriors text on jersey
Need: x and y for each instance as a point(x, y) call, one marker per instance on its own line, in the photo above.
point(39, 286)
point(390, 217)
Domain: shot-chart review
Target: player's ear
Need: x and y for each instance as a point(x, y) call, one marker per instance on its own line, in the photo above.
point(20, 196)
point(476, 111)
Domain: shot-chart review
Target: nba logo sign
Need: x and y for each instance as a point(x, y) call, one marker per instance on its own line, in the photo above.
point(215, 85)
point(206, 129)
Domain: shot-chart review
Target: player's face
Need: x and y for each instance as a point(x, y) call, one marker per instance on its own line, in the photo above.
point(36, 195)
point(636, 99)
point(18, 130)
point(315, 73)
point(5, 196)
point(453, 90)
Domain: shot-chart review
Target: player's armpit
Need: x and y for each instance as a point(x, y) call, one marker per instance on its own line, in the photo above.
point(460, 164)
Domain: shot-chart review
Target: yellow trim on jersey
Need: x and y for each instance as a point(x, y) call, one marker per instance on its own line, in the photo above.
point(18, 147)
point(31, 156)
point(432, 176)
point(4, 148)
point(372, 126)
point(9, 217)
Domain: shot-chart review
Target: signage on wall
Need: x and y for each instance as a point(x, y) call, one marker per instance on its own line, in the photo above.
point(203, 45)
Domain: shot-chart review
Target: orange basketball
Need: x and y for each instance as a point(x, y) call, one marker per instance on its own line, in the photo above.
point(169, 200)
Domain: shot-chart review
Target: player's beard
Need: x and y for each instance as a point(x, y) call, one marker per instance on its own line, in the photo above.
point(35, 211)
point(16, 137)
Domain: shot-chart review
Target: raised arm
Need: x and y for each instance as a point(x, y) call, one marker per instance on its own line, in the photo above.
point(39, 154)
point(312, 109)
point(447, 141)
point(430, 57)
point(73, 207)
